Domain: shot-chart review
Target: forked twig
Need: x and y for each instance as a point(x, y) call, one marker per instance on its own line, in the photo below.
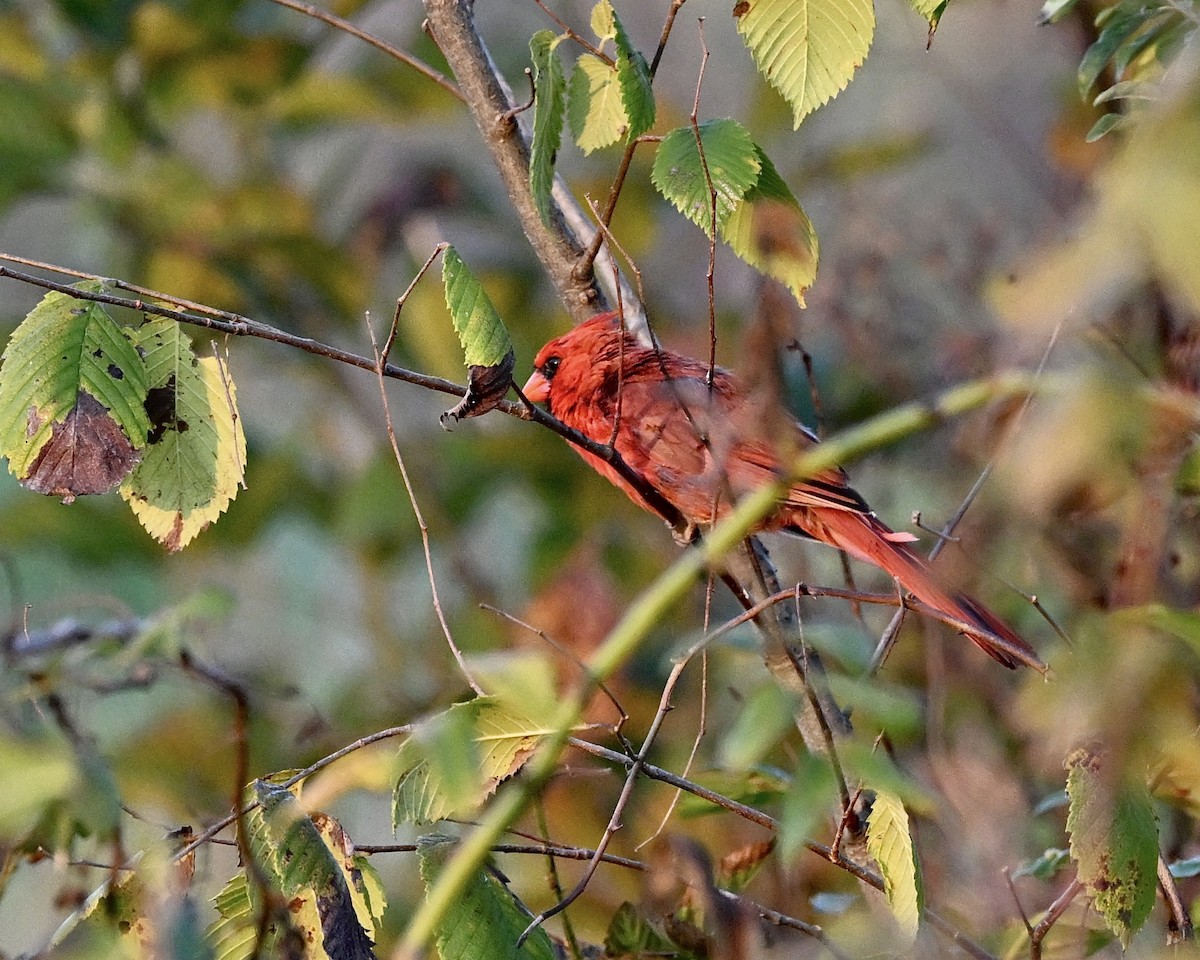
point(852, 867)
point(1052, 915)
point(614, 821)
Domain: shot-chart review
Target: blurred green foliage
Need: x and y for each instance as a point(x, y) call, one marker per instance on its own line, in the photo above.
point(242, 155)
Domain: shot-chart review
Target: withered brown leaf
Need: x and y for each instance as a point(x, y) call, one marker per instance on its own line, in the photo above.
point(87, 452)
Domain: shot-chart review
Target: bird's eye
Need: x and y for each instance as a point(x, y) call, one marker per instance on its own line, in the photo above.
point(550, 367)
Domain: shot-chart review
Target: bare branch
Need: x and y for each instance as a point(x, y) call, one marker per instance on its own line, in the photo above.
point(345, 25)
point(453, 28)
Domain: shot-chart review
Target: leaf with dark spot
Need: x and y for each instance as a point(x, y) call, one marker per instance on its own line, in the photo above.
point(87, 453)
point(160, 408)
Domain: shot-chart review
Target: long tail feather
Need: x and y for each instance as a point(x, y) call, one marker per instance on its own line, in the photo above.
point(864, 537)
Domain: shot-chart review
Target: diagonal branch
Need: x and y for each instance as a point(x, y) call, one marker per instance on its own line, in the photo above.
point(557, 247)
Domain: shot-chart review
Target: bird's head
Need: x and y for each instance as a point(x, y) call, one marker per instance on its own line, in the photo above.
point(576, 359)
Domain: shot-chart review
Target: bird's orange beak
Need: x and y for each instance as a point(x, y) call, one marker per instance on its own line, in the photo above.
point(537, 388)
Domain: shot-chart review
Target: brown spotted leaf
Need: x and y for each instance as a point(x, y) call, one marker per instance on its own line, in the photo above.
point(1114, 841)
point(72, 392)
point(86, 453)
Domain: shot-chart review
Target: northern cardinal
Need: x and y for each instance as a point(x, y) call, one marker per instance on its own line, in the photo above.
point(702, 448)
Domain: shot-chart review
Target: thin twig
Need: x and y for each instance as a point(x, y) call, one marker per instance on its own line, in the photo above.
point(887, 600)
point(574, 35)
point(1179, 924)
point(424, 527)
point(556, 884)
point(1012, 889)
point(852, 867)
point(210, 832)
point(614, 821)
point(565, 651)
point(672, 13)
point(272, 900)
point(536, 849)
point(710, 274)
point(803, 672)
point(394, 52)
point(701, 729)
point(609, 238)
point(394, 330)
point(888, 640)
point(1051, 917)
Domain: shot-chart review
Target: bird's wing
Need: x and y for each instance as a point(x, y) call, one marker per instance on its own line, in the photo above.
point(691, 443)
point(754, 464)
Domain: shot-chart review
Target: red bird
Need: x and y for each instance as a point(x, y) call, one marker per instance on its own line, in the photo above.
point(704, 448)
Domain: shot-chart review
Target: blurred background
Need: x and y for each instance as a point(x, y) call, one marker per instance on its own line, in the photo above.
point(242, 155)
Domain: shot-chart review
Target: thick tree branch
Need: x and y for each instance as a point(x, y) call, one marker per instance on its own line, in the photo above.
point(557, 247)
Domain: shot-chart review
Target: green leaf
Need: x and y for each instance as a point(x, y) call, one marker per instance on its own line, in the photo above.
point(72, 389)
point(595, 104)
point(733, 164)
point(1106, 124)
point(629, 935)
point(195, 453)
point(480, 330)
point(459, 758)
point(769, 230)
point(755, 789)
point(486, 919)
point(118, 909)
point(762, 721)
point(637, 95)
point(1114, 843)
point(1044, 867)
point(484, 338)
point(1116, 31)
point(234, 934)
point(886, 706)
point(1181, 624)
point(890, 842)
point(1126, 90)
point(549, 95)
point(931, 10)
point(34, 773)
point(876, 770)
point(522, 682)
point(807, 804)
point(806, 49)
